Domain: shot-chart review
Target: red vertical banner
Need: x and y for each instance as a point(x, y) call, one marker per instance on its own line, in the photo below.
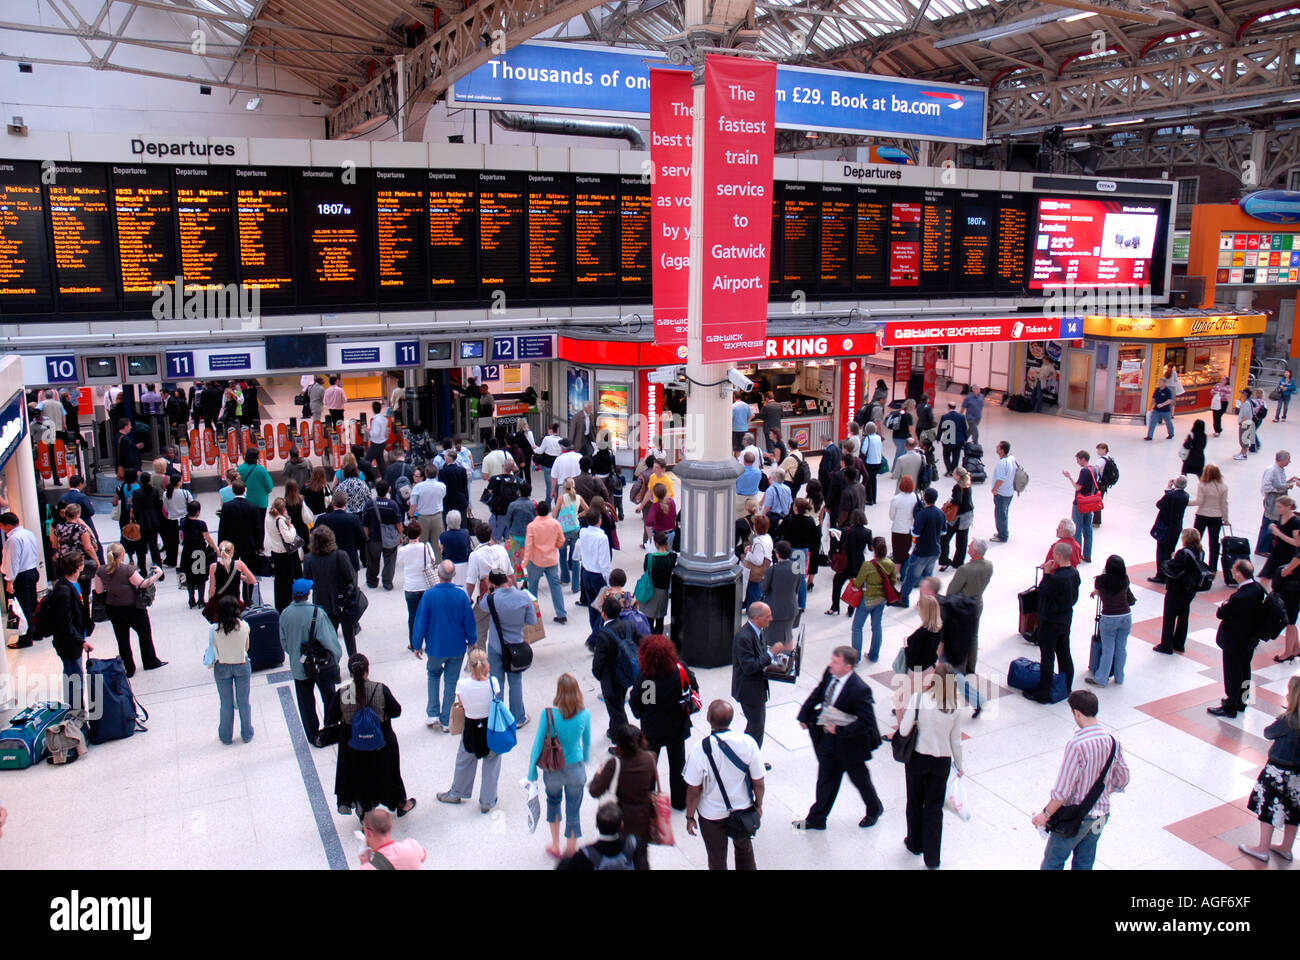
point(739, 118)
point(650, 404)
point(850, 394)
point(671, 102)
point(903, 367)
point(931, 371)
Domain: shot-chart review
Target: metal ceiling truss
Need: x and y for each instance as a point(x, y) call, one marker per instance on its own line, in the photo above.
point(1204, 149)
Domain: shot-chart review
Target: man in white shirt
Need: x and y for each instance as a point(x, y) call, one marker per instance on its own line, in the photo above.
point(567, 465)
point(53, 411)
point(1004, 476)
point(427, 494)
point(485, 558)
point(548, 451)
point(333, 400)
point(747, 446)
point(20, 565)
point(593, 556)
point(494, 461)
point(378, 436)
point(709, 774)
point(872, 453)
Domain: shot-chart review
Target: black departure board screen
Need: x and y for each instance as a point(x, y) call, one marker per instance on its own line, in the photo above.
point(454, 235)
point(550, 228)
point(871, 239)
point(264, 235)
point(595, 236)
point(800, 227)
point(774, 252)
point(905, 243)
point(205, 227)
point(331, 221)
point(936, 241)
point(401, 219)
point(502, 222)
point(634, 238)
point(25, 278)
point(81, 227)
point(973, 243)
point(836, 260)
point(146, 232)
point(1012, 239)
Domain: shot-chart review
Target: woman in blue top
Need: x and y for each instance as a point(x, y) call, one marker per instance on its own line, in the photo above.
point(1276, 797)
point(570, 721)
point(454, 542)
point(1285, 388)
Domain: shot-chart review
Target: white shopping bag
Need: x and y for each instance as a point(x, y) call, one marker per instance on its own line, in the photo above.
point(17, 611)
point(533, 805)
point(955, 799)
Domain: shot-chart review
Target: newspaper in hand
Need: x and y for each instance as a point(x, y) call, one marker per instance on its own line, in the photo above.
point(834, 716)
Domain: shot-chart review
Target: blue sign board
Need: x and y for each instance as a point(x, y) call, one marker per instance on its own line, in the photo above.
point(571, 78)
point(62, 368)
point(355, 355)
point(180, 366)
point(535, 347)
point(503, 348)
point(13, 426)
point(229, 361)
point(407, 353)
point(1071, 328)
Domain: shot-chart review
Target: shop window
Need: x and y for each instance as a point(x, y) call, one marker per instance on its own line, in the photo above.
point(1293, 179)
point(1129, 379)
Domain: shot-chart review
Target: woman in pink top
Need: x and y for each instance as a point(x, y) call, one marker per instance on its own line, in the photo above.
point(661, 517)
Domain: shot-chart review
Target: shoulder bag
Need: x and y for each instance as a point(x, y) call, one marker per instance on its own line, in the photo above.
point(661, 820)
point(741, 824)
point(515, 657)
point(611, 793)
point(552, 757)
point(1089, 502)
point(886, 585)
point(430, 571)
point(1067, 820)
point(904, 745)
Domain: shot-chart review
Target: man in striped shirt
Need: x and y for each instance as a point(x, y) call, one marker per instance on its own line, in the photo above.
point(1086, 756)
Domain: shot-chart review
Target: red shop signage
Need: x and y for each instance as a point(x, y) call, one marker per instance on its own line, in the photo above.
point(850, 393)
point(984, 330)
point(651, 408)
point(739, 120)
point(671, 108)
point(811, 348)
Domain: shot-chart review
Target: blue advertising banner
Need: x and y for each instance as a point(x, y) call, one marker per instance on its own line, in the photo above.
point(573, 78)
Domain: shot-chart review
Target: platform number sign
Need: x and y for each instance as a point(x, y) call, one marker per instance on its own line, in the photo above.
point(62, 368)
point(408, 353)
point(503, 348)
point(180, 366)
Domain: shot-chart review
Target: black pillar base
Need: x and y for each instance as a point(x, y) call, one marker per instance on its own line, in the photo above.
point(705, 613)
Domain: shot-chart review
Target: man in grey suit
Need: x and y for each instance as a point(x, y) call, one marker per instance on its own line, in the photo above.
point(971, 580)
point(582, 431)
point(781, 593)
point(750, 656)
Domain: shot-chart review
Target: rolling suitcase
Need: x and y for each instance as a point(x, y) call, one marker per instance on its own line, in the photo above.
point(1023, 674)
point(264, 649)
point(1028, 601)
point(114, 712)
point(1232, 549)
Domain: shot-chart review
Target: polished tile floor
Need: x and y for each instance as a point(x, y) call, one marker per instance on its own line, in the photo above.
point(176, 797)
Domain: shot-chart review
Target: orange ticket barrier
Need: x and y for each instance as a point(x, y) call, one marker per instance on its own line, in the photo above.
point(43, 461)
point(185, 469)
point(209, 446)
point(61, 467)
point(282, 440)
point(268, 441)
point(196, 447)
point(245, 439)
point(318, 438)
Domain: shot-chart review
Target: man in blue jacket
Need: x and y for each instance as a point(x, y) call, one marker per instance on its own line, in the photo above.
point(444, 628)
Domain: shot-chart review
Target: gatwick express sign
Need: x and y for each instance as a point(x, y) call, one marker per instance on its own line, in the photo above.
point(931, 333)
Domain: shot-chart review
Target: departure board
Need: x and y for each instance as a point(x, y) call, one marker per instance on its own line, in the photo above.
point(25, 280)
point(936, 241)
point(454, 235)
point(837, 222)
point(774, 252)
point(502, 218)
point(800, 226)
point(264, 236)
point(146, 232)
point(205, 227)
point(974, 243)
point(81, 227)
point(331, 220)
point(550, 226)
point(1012, 242)
point(634, 238)
point(905, 244)
point(401, 218)
point(871, 239)
point(595, 235)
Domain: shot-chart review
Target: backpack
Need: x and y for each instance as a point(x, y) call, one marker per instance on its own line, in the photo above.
point(1272, 616)
point(402, 487)
point(801, 472)
point(1261, 411)
point(1021, 479)
point(1110, 473)
point(892, 421)
point(625, 659)
point(315, 657)
point(43, 617)
point(367, 729)
point(619, 861)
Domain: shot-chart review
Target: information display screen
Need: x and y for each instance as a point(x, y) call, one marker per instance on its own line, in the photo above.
point(836, 240)
point(146, 232)
point(205, 227)
point(936, 240)
point(1095, 243)
point(81, 227)
point(453, 235)
point(596, 235)
point(871, 242)
point(25, 279)
point(550, 230)
point(264, 234)
point(502, 219)
point(801, 229)
point(974, 243)
point(401, 218)
point(334, 253)
point(1012, 242)
point(634, 237)
point(904, 244)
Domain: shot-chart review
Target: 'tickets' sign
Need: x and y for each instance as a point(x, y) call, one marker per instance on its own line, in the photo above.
point(982, 330)
point(671, 106)
point(739, 108)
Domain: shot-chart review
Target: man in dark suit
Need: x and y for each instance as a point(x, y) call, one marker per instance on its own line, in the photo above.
point(241, 525)
point(349, 532)
point(456, 480)
point(582, 431)
point(841, 749)
point(781, 593)
point(1057, 595)
point(749, 658)
point(1238, 636)
point(1169, 519)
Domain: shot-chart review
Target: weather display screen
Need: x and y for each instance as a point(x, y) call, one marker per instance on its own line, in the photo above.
point(1094, 243)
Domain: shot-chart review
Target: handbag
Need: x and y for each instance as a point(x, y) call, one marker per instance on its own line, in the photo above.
point(611, 794)
point(741, 824)
point(950, 512)
point(839, 561)
point(1067, 820)
point(457, 725)
point(691, 700)
point(430, 573)
point(210, 607)
point(852, 594)
point(552, 757)
point(210, 654)
point(568, 518)
point(1182, 453)
point(904, 745)
point(145, 596)
point(645, 589)
point(131, 531)
point(515, 657)
point(886, 585)
point(900, 660)
point(99, 608)
point(661, 819)
point(1089, 502)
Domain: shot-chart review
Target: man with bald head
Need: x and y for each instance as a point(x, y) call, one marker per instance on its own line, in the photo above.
point(750, 656)
point(724, 781)
point(1057, 594)
point(444, 629)
point(382, 852)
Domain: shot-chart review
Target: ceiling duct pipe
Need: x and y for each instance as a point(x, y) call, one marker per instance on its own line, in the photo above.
point(571, 128)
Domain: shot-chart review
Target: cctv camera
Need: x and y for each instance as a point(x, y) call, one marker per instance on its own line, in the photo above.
point(739, 380)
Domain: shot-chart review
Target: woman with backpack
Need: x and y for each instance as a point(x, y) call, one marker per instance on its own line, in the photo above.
point(369, 772)
point(899, 423)
point(569, 508)
point(225, 577)
point(231, 670)
point(474, 695)
point(663, 698)
point(629, 777)
point(662, 515)
point(561, 748)
point(333, 577)
point(658, 564)
point(120, 583)
point(1183, 577)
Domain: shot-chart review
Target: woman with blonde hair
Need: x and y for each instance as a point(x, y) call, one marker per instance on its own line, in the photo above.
point(570, 506)
point(570, 722)
point(474, 695)
point(224, 578)
point(119, 581)
point(1211, 507)
point(231, 671)
point(286, 561)
point(1276, 797)
point(921, 648)
point(1183, 573)
point(934, 713)
point(960, 523)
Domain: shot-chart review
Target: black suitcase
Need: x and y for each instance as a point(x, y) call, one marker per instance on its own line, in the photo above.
point(1232, 549)
point(264, 650)
point(1028, 604)
point(973, 450)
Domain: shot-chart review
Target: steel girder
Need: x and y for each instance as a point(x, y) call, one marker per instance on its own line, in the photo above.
point(1224, 152)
